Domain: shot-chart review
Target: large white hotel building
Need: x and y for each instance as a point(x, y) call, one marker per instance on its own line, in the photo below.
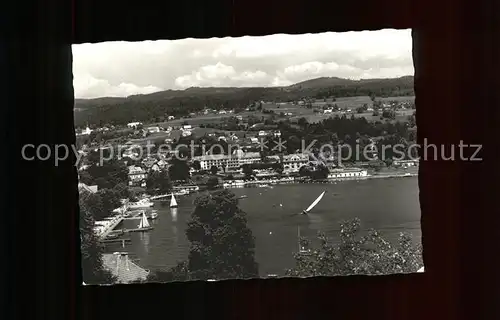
point(291, 162)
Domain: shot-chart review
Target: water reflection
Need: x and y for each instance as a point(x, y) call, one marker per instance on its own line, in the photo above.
point(144, 236)
point(175, 233)
point(173, 212)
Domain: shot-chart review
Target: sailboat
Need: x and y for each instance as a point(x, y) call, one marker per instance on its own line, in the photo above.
point(314, 203)
point(173, 202)
point(144, 224)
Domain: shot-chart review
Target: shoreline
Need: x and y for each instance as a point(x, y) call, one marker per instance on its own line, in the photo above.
point(264, 184)
point(394, 175)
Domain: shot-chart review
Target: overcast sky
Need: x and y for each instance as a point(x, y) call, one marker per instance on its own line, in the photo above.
point(121, 69)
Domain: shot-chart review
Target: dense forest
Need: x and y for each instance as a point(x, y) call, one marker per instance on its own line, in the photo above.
point(156, 106)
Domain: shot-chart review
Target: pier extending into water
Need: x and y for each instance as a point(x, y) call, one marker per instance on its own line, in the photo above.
point(110, 227)
point(116, 240)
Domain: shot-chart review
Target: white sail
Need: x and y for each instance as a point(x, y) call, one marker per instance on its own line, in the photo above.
point(173, 202)
point(145, 222)
point(315, 202)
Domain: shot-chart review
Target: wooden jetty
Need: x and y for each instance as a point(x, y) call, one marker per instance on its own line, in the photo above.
point(138, 229)
point(127, 240)
point(110, 228)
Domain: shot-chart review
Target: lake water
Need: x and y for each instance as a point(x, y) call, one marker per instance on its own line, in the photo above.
point(388, 205)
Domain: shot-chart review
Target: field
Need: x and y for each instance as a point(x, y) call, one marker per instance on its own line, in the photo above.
point(401, 116)
point(205, 119)
point(347, 102)
point(399, 99)
point(352, 103)
point(298, 111)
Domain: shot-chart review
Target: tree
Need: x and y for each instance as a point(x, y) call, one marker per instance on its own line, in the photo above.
point(412, 120)
point(247, 170)
point(212, 183)
point(85, 177)
point(122, 190)
point(222, 245)
point(93, 202)
point(196, 165)
point(110, 200)
point(293, 144)
point(214, 169)
point(321, 172)
point(92, 264)
point(158, 182)
point(178, 273)
point(368, 255)
point(107, 175)
point(389, 114)
point(278, 167)
point(302, 122)
point(179, 170)
point(305, 171)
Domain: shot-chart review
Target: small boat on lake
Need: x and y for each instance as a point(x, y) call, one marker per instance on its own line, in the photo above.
point(314, 203)
point(153, 215)
point(144, 224)
point(173, 202)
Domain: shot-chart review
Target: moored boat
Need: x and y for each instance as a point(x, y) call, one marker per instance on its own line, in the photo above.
point(144, 223)
point(143, 203)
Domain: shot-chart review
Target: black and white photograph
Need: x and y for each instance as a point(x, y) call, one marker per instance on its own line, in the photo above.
point(251, 157)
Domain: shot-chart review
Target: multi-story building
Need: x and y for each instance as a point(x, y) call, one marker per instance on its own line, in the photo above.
point(292, 162)
point(227, 162)
point(136, 176)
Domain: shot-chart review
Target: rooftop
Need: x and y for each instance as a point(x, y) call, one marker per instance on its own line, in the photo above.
point(125, 270)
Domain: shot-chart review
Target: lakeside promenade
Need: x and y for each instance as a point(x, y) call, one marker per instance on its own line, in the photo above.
point(378, 175)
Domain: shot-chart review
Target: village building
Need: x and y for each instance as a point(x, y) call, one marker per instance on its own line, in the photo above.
point(292, 162)
point(136, 176)
point(153, 129)
point(134, 125)
point(228, 162)
point(405, 163)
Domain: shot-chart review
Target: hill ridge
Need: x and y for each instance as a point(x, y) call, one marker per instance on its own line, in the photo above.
point(318, 83)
